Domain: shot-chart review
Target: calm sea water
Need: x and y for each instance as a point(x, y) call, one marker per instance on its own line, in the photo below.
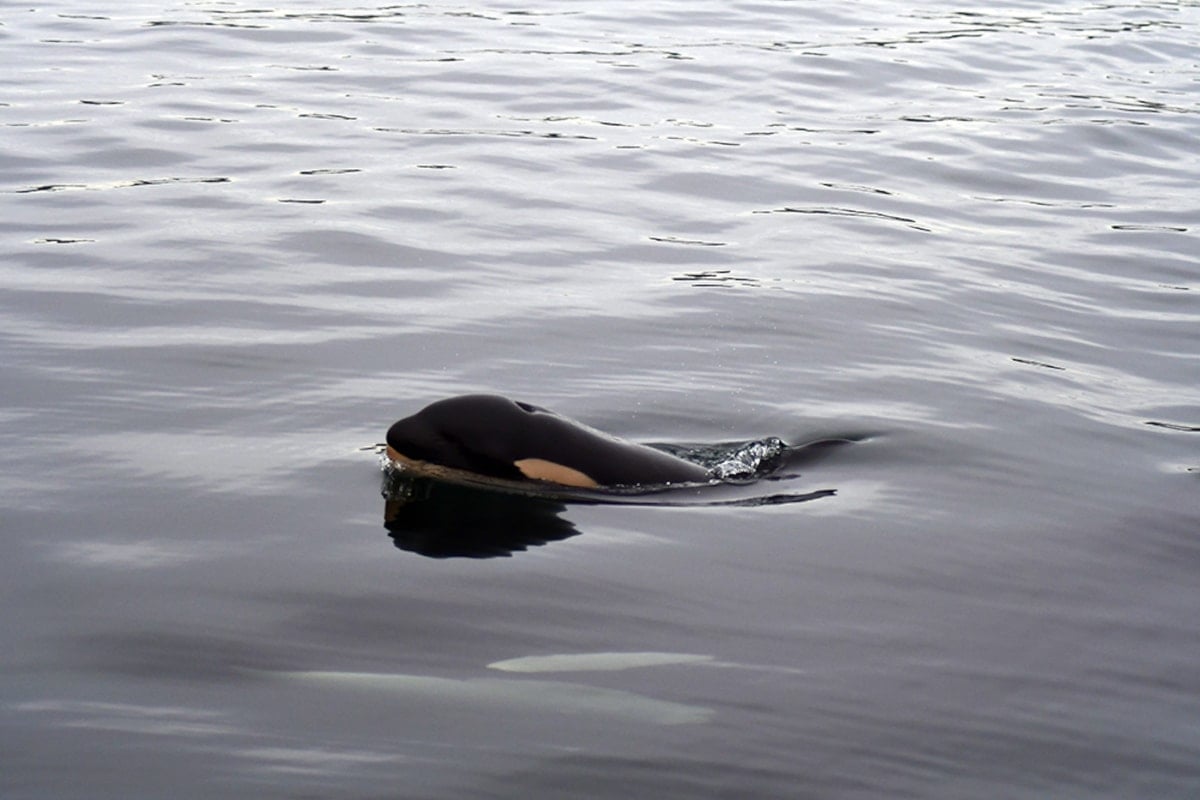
point(240, 240)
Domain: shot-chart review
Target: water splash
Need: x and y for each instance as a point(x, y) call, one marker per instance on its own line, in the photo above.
point(735, 462)
point(751, 460)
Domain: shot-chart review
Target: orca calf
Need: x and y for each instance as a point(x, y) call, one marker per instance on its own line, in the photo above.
point(497, 437)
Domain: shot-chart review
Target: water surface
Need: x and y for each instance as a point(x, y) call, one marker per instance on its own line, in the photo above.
point(239, 241)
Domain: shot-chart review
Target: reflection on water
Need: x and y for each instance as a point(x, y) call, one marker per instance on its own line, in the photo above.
point(443, 520)
point(502, 694)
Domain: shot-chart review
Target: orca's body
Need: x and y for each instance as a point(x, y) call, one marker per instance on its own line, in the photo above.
point(496, 437)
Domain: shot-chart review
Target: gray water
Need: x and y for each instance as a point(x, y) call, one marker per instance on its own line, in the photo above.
point(240, 241)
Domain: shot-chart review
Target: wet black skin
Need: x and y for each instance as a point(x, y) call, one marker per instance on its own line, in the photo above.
point(486, 434)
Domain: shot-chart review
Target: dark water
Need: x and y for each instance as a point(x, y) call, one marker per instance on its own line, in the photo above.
point(239, 241)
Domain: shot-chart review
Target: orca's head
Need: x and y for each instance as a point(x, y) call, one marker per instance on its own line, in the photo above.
point(459, 433)
point(413, 439)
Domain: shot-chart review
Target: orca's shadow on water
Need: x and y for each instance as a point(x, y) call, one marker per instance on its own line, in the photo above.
point(443, 519)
